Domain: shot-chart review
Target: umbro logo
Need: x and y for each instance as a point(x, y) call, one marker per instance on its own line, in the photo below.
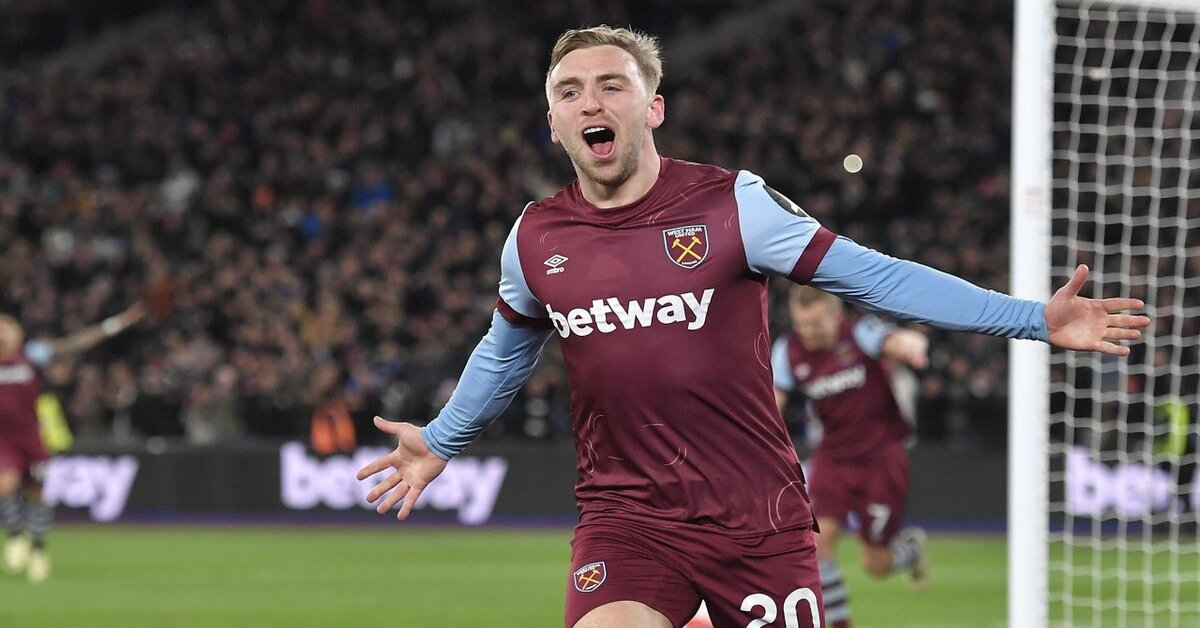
point(556, 264)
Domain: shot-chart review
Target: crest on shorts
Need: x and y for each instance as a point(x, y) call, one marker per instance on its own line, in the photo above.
point(686, 246)
point(589, 577)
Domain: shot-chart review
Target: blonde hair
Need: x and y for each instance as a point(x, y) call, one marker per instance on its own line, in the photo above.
point(804, 295)
point(643, 47)
point(10, 333)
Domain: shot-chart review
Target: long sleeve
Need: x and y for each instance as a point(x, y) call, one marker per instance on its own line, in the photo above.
point(781, 239)
point(497, 369)
point(913, 292)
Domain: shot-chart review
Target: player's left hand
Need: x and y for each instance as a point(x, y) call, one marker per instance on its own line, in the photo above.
point(1084, 324)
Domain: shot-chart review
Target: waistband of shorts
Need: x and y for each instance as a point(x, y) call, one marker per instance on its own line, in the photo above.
point(622, 520)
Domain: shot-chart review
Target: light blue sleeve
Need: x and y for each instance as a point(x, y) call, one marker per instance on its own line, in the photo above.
point(912, 292)
point(870, 332)
point(495, 372)
point(40, 352)
point(780, 239)
point(775, 231)
point(500, 364)
point(780, 368)
point(514, 290)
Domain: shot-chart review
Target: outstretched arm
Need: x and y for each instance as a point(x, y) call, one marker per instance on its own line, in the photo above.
point(93, 335)
point(918, 293)
point(780, 239)
point(498, 368)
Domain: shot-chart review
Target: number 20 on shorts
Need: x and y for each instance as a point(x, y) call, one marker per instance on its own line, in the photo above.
point(791, 608)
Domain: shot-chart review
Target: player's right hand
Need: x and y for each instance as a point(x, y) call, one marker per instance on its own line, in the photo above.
point(414, 468)
point(908, 346)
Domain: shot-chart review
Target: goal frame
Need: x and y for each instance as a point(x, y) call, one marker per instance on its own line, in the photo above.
point(1029, 266)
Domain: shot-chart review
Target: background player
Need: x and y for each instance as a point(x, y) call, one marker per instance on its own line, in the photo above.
point(22, 453)
point(653, 272)
point(860, 465)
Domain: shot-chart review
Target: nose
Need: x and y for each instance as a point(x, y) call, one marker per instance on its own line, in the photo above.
point(591, 102)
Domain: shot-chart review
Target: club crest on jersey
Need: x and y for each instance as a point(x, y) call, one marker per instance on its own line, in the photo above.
point(845, 353)
point(589, 577)
point(686, 246)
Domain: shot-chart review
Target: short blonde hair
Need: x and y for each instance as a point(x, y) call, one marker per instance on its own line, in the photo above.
point(805, 295)
point(643, 47)
point(10, 333)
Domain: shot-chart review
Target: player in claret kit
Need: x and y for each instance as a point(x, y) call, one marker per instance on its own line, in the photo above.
point(22, 454)
point(860, 464)
point(653, 274)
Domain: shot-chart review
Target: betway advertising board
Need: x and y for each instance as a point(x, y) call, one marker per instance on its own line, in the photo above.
point(468, 487)
point(492, 483)
point(1127, 489)
point(508, 483)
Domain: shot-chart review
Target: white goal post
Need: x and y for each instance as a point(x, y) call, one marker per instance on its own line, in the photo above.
point(1103, 496)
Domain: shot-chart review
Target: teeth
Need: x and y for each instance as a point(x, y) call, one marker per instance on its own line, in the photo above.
point(593, 129)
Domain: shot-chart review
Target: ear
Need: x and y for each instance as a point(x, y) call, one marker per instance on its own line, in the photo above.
point(550, 122)
point(657, 113)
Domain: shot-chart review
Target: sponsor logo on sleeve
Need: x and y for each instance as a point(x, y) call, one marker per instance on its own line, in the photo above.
point(686, 246)
point(786, 203)
point(589, 577)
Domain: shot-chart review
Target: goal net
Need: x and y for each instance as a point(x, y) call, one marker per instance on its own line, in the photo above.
point(1103, 495)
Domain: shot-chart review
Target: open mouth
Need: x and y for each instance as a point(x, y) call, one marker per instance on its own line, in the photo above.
point(601, 140)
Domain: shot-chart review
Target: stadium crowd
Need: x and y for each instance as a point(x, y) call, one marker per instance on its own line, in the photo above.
point(312, 197)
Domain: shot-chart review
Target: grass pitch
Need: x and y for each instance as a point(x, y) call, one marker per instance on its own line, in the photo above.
point(132, 576)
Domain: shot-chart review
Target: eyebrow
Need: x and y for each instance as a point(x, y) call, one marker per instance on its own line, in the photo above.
point(571, 80)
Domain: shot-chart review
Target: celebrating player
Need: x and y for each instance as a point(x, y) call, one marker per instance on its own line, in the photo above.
point(22, 454)
point(653, 273)
point(860, 464)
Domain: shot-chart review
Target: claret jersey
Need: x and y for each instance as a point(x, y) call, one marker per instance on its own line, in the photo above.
point(660, 308)
point(848, 389)
point(20, 384)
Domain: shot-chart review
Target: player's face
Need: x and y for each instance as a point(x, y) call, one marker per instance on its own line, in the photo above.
point(817, 323)
point(11, 336)
point(601, 112)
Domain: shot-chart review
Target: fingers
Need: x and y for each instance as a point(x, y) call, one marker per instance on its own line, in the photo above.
point(375, 466)
point(1118, 305)
point(393, 498)
point(1073, 286)
point(409, 501)
point(391, 427)
point(384, 486)
point(1127, 321)
point(1112, 349)
point(1117, 333)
